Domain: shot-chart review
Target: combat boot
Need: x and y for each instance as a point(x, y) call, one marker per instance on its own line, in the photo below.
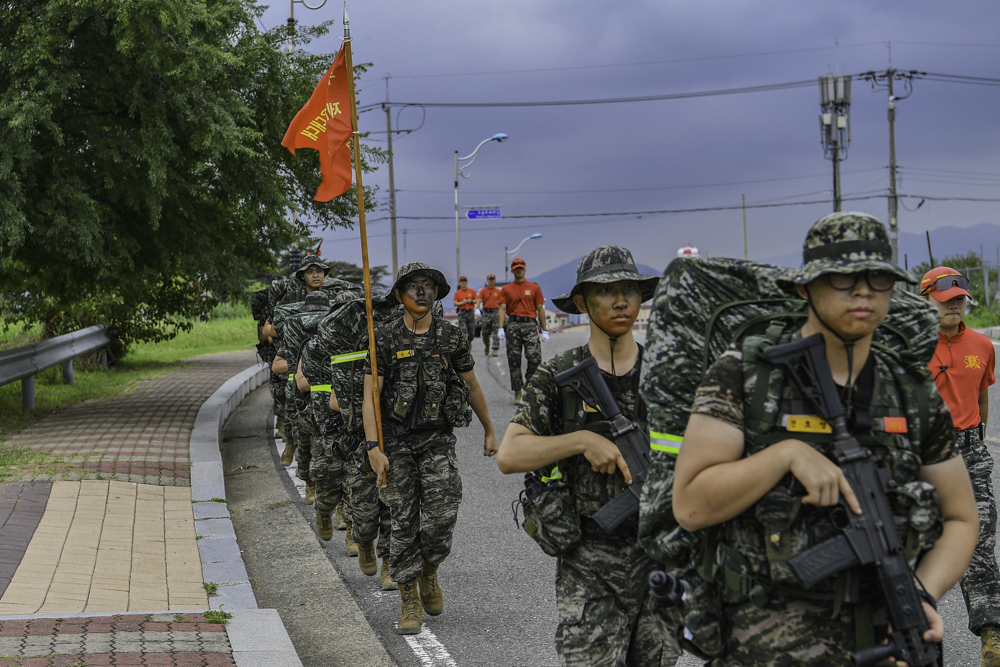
point(367, 559)
point(288, 455)
point(496, 353)
point(387, 583)
point(430, 590)
point(350, 545)
point(412, 618)
point(517, 396)
point(991, 648)
point(324, 526)
point(341, 524)
point(280, 427)
point(487, 352)
point(310, 492)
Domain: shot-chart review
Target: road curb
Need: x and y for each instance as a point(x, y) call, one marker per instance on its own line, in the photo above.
point(257, 636)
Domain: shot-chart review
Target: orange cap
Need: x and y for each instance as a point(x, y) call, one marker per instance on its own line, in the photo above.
point(928, 284)
point(517, 261)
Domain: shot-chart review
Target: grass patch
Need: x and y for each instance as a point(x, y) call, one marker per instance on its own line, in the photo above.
point(217, 616)
point(210, 588)
point(218, 500)
point(230, 328)
point(983, 317)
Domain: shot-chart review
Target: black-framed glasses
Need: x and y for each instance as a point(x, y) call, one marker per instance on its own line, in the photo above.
point(879, 281)
point(947, 282)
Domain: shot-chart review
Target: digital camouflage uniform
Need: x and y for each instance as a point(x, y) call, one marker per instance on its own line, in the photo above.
point(781, 626)
point(467, 323)
point(423, 488)
point(520, 335)
point(981, 582)
point(490, 322)
point(340, 338)
point(602, 595)
point(298, 329)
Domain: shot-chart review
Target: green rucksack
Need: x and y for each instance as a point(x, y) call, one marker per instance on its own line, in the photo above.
point(700, 308)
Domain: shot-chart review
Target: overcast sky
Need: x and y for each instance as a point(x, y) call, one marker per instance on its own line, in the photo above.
point(662, 155)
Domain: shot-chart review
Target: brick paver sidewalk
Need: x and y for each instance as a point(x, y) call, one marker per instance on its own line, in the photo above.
point(184, 640)
point(142, 437)
point(108, 528)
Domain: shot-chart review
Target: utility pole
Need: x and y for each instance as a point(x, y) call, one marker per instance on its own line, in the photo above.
point(392, 183)
point(835, 124)
point(743, 198)
point(886, 79)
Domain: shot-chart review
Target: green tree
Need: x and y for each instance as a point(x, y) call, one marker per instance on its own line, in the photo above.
point(141, 171)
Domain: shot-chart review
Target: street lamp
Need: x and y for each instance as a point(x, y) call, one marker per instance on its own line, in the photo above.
point(499, 137)
point(506, 255)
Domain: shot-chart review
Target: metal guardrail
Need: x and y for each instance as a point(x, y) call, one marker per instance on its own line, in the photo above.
point(23, 363)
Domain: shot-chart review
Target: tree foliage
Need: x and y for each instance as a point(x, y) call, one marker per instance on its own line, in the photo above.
point(141, 171)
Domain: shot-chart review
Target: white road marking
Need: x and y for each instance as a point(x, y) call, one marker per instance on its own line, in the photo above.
point(429, 650)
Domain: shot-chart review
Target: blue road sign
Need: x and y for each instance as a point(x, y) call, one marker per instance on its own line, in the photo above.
point(483, 214)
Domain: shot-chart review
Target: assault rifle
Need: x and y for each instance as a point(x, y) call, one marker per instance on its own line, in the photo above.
point(868, 538)
point(633, 443)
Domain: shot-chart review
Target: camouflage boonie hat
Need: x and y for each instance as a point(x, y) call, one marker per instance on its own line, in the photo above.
point(311, 260)
point(607, 264)
point(845, 242)
point(419, 268)
point(318, 300)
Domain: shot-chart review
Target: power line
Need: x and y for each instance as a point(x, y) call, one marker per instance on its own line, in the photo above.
point(660, 187)
point(640, 63)
point(609, 100)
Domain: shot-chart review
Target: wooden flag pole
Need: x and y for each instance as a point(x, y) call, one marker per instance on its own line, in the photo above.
point(364, 240)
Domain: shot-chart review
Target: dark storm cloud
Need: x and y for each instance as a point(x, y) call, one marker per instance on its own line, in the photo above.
point(673, 145)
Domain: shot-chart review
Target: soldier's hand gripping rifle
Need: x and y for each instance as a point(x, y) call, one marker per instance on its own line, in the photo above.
point(869, 538)
point(632, 441)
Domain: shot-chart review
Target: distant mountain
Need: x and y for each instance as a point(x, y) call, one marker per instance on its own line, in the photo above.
point(561, 279)
point(945, 241)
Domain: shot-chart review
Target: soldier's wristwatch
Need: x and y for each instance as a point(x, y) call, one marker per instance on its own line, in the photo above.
point(371, 444)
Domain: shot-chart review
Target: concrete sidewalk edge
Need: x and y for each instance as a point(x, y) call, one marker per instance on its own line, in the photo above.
point(257, 636)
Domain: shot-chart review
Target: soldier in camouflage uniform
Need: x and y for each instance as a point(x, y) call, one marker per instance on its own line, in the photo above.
point(340, 344)
point(601, 591)
point(742, 451)
point(465, 303)
point(963, 371)
point(522, 309)
point(426, 385)
point(488, 302)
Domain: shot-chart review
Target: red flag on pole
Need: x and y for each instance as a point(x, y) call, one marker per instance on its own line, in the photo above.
point(324, 124)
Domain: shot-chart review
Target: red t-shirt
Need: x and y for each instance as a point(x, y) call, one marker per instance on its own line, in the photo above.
point(490, 297)
point(462, 295)
point(968, 360)
point(522, 298)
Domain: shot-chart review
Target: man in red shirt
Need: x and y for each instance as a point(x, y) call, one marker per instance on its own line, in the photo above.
point(962, 368)
point(465, 302)
point(489, 302)
point(522, 308)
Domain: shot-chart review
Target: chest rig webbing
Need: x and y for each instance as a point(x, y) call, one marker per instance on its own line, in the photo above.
point(591, 490)
point(415, 392)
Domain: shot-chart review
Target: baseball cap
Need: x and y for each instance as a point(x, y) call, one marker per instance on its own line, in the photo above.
point(491, 276)
point(463, 278)
point(517, 261)
point(944, 283)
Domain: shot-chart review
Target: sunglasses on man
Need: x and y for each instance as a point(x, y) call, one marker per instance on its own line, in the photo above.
point(947, 282)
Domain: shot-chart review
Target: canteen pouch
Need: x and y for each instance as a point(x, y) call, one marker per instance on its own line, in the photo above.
point(918, 502)
point(406, 391)
point(550, 517)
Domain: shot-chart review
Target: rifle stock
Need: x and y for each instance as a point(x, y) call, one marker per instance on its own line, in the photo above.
point(633, 443)
point(868, 538)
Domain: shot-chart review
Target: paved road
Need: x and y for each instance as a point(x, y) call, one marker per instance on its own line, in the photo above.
point(498, 585)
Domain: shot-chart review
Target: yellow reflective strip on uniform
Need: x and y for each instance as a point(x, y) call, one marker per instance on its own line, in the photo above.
point(402, 354)
point(321, 387)
point(350, 356)
point(555, 475)
point(291, 378)
point(661, 442)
